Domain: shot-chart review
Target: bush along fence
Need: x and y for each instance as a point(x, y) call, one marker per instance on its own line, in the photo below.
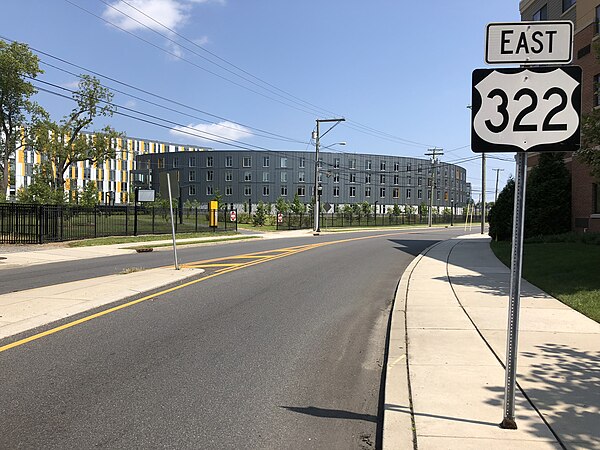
point(36, 224)
point(290, 221)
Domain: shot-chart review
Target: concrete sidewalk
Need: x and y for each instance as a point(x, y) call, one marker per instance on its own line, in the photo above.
point(445, 378)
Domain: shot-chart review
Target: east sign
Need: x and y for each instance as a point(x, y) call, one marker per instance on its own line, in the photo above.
point(540, 42)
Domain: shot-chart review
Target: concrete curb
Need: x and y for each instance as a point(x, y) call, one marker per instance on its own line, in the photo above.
point(398, 422)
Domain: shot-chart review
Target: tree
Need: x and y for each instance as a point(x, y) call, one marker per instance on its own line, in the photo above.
point(17, 64)
point(40, 190)
point(297, 207)
point(396, 210)
point(501, 214)
point(589, 153)
point(282, 205)
point(65, 143)
point(260, 215)
point(548, 197)
point(89, 196)
point(366, 209)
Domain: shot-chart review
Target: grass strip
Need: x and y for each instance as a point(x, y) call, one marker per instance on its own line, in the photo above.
point(145, 238)
point(567, 271)
point(199, 241)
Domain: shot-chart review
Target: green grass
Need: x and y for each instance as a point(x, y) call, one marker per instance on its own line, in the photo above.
point(145, 238)
point(566, 270)
point(249, 227)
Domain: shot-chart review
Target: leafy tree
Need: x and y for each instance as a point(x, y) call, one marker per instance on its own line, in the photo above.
point(501, 214)
point(40, 190)
point(410, 210)
point(17, 64)
point(589, 153)
point(423, 209)
point(282, 205)
point(260, 215)
point(89, 196)
point(366, 209)
point(396, 210)
point(65, 143)
point(297, 207)
point(548, 197)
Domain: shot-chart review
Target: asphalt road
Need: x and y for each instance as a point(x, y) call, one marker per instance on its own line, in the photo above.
point(284, 354)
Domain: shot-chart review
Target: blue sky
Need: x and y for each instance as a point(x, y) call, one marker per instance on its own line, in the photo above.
point(398, 71)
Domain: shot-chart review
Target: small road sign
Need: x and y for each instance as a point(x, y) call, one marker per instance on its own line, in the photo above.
point(540, 42)
point(526, 109)
point(232, 216)
point(279, 218)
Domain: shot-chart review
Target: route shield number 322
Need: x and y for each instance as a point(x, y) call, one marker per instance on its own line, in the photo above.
point(526, 109)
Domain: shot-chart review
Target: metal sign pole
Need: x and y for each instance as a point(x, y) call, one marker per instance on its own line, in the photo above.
point(515, 293)
point(172, 221)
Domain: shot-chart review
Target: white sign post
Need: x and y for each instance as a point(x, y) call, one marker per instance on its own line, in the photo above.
point(524, 109)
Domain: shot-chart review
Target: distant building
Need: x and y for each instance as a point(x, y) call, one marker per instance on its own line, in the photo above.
point(252, 176)
point(247, 177)
point(585, 14)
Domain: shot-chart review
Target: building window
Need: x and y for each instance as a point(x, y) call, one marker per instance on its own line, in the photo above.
point(283, 162)
point(265, 177)
point(266, 161)
point(382, 192)
point(209, 175)
point(336, 163)
point(396, 166)
point(420, 181)
point(352, 191)
point(419, 194)
point(284, 191)
point(367, 191)
point(192, 161)
point(283, 177)
point(192, 190)
point(247, 191)
point(192, 175)
point(160, 163)
point(408, 192)
point(247, 161)
point(301, 191)
point(353, 164)
point(301, 177)
point(336, 177)
point(209, 190)
point(352, 178)
point(567, 4)
point(265, 191)
point(368, 164)
point(175, 162)
point(596, 198)
point(228, 191)
point(247, 176)
point(229, 175)
point(420, 169)
point(395, 192)
point(229, 161)
point(209, 161)
point(336, 191)
point(382, 178)
point(597, 23)
point(302, 163)
point(382, 165)
point(367, 178)
point(541, 14)
point(408, 167)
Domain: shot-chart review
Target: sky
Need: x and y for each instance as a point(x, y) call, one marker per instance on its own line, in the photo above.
point(256, 74)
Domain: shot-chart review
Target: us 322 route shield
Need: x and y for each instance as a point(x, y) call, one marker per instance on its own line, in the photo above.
point(526, 109)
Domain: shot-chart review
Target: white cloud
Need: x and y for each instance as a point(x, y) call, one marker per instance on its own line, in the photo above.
point(171, 13)
point(71, 84)
point(219, 131)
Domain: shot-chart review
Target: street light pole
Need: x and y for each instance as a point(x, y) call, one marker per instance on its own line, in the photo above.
point(317, 136)
point(482, 193)
point(497, 174)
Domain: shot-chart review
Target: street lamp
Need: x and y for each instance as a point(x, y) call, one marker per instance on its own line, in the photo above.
point(452, 212)
point(317, 137)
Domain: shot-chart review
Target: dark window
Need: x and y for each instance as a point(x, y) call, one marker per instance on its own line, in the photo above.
point(584, 51)
point(567, 4)
point(596, 197)
point(541, 14)
point(596, 89)
point(597, 23)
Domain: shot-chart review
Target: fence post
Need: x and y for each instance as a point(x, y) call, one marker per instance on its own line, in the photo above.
point(95, 221)
point(152, 219)
point(40, 214)
point(196, 220)
point(126, 220)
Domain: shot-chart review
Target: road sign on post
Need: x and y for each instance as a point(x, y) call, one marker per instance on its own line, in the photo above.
point(539, 42)
point(232, 216)
point(520, 110)
point(526, 109)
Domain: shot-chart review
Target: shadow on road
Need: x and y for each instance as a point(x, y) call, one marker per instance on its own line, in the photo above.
point(331, 413)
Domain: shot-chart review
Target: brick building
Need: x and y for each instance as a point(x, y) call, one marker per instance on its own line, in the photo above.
point(585, 15)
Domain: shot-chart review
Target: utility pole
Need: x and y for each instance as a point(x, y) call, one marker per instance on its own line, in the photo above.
point(497, 174)
point(317, 137)
point(482, 193)
point(433, 152)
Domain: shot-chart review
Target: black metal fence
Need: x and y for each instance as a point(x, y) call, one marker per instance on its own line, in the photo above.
point(36, 224)
point(290, 221)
